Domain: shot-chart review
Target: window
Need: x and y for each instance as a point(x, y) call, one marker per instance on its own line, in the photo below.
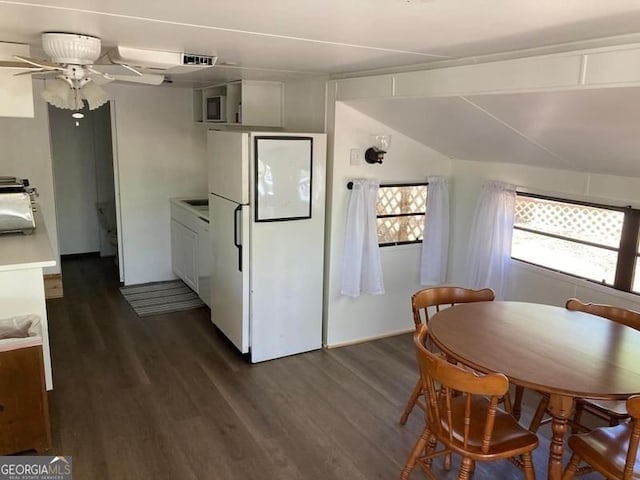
point(591, 241)
point(400, 212)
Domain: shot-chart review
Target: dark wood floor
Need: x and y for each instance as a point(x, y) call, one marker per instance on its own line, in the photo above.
point(166, 397)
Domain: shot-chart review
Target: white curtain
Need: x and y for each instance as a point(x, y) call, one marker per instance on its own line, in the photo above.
point(435, 243)
point(490, 239)
point(361, 264)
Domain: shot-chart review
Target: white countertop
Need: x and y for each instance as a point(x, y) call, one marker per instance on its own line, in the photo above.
point(201, 212)
point(20, 252)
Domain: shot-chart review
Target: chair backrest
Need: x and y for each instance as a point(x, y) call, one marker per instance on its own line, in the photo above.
point(452, 393)
point(633, 407)
point(617, 314)
point(438, 296)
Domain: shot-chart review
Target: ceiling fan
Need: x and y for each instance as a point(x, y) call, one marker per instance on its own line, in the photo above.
point(72, 58)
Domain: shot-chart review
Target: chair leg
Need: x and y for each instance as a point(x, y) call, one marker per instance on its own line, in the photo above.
point(572, 467)
point(420, 445)
point(415, 394)
point(465, 469)
point(540, 411)
point(527, 465)
point(517, 402)
point(431, 446)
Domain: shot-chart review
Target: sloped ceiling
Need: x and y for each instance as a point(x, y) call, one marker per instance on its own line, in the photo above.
point(595, 131)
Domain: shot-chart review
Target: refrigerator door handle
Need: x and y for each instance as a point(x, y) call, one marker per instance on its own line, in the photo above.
point(236, 234)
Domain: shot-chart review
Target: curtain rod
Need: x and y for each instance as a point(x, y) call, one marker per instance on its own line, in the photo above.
point(411, 184)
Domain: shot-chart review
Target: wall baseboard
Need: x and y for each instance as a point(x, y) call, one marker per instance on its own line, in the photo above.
point(53, 286)
point(368, 339)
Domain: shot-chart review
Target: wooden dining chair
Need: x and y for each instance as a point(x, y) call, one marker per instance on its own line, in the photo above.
point(436, 298)
point(469, 422)
point(611, 451)
point(611, 411)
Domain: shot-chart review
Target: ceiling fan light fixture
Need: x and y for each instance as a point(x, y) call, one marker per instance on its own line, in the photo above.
point(57, 93)
point(71, 48)
point(62, 93)
point(95, 95)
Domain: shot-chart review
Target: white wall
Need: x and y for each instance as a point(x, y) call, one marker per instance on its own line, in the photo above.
point(304, 105)
point(347, 319)
point(529, 283)
point(161, 154)
point(25, 152)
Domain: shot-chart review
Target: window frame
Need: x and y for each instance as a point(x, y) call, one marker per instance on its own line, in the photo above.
point(400, 215)
point(627, 251)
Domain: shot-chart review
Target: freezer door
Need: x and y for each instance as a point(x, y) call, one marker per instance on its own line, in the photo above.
point(228, 155)
point(228, 229)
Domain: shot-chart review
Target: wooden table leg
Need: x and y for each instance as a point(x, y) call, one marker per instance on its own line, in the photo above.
point(560, 407)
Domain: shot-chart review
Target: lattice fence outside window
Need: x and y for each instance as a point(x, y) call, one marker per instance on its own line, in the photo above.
point(576, 221)
point(584, 240)
point(400, 211)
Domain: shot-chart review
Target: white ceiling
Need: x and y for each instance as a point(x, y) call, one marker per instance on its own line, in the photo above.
point(274, 39)
point(592, 130)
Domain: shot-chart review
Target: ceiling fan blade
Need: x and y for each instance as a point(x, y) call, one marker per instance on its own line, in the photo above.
point(92, 70)
point(145, 78)
point(131, 69)
point(31, 72)
point(12, 64)
point(36, 62)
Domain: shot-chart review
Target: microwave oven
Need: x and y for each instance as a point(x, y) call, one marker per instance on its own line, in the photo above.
point(216, 109)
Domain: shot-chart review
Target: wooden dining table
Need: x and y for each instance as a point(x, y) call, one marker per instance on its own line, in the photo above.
point(567, 354)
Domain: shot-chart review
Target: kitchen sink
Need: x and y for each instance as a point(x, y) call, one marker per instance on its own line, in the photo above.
point(197, 202)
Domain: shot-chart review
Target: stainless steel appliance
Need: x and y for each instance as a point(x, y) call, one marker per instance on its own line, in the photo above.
point(217, 108)
point(17, 205)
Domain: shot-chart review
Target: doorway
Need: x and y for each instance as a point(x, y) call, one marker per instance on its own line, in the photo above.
point(83, 178)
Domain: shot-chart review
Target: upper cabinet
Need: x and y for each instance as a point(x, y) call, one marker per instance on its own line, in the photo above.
point(16, 92)
point(243, 102)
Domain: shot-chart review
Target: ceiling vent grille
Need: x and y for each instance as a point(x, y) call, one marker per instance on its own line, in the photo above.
point(198, 60)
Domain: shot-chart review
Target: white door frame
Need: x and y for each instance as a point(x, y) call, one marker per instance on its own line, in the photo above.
point(116, 187)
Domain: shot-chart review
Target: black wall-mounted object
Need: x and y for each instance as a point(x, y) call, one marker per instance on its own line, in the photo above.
point(374, 155)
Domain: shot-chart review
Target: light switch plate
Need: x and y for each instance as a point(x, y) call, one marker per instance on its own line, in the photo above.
point(356, 157)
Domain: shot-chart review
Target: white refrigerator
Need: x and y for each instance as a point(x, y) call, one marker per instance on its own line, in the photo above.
point(266, 206)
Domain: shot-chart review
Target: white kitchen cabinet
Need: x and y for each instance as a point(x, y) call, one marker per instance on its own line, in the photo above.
point(190, 244)
point(184, 253)
point(16, 94)
point(22, 259)
point(247, 103)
